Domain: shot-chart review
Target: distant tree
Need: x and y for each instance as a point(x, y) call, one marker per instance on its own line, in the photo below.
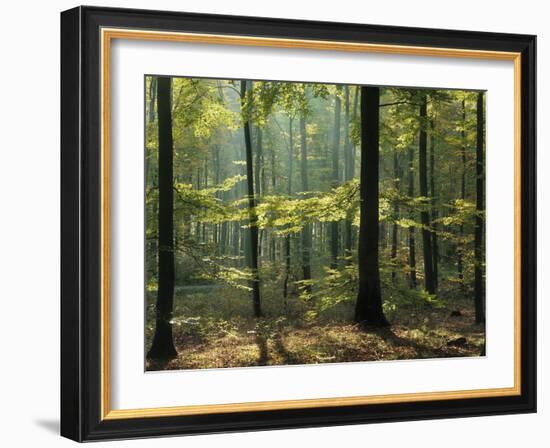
point(348, 172)
point(334, 226)
point(289, 191)
point(306, 231)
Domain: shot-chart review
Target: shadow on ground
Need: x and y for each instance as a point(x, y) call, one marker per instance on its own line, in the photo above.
point(49, 425)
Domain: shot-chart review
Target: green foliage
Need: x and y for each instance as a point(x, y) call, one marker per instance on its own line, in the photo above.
point(286, 215)
point(416, 301)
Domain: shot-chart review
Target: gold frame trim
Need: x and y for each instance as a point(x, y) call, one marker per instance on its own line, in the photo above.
point(107, 35)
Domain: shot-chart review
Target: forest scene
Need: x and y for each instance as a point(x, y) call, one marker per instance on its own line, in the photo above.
point(294, 223)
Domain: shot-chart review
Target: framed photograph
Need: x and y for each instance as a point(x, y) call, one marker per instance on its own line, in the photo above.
point(276, 224)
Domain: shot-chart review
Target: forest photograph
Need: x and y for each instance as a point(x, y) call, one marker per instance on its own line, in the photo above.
point(291, 223)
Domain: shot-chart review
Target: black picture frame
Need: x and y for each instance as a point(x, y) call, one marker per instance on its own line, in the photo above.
point(81, 224)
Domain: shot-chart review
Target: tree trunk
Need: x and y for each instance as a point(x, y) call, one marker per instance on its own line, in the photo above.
point(348, 156)
point(354, 116)
point(162, 347)
point(273, 249)
point(334, 228)
point(152, 99)
point(152, 249)
point(258, 162)
point(287, 237)
point(353, 157)
point(460, 245)
point(396, 176)
point(435, 247)
point(368, 309)
point(219, 195)
point(306, 231)
point(258, 182)
point(253, 219)
point(479, 221)
point(205, 185)
point(412, 239)
point(429, 283)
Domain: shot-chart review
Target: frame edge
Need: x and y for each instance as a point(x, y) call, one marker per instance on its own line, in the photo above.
point(71, 87)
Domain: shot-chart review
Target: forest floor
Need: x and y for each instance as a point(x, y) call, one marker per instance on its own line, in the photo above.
point(228, 338)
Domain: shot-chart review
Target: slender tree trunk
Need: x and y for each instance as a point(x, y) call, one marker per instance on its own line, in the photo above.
point(219, 195)
point(479, 290)
point(287, 237)
point(273, 248)
point(435, 246)
point(394, 236)
point(354, 156)
point(348, 157)
point(368, 309)
point(236, 243)
point(306, 231)
point(150, 118)
point(244, 234)
point(205, 185)
point(152, 99)
point(354, 116)
point(163, 343)
point(234, 231)
point(460, 245)
point(258, 181)
point(253, 219)
point(429, 282)
point(151, 243)
point(335, 231)
point(258, 162)
point(198, 224)
point(412, 238)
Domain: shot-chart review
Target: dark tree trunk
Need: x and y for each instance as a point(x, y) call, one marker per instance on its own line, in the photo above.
point(433, 194)
point(394, 235)
point(162, 347)
point(412, 239)
point(253, 219)
point(478, 237)
point(306, 231)
point(368, 309)
point(460, 245)
point(152, 249)
point(334, 226)
point(429, 282)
